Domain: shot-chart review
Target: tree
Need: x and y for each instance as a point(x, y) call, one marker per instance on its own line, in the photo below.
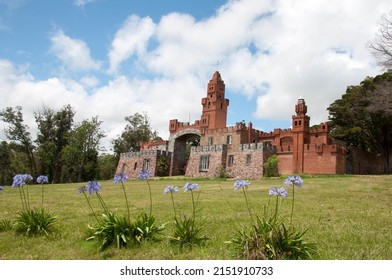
point(381, 46)
point(52, 138)
point(83, 144)
point(18, 131)
point(363, 116)
point(138, 129)
point(5, 162)
point(106, 166)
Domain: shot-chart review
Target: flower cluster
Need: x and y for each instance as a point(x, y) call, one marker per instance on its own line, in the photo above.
point(145, 174)
point(240, 184)
point(170, 189)
point(93, 187)
point(1, 188)
point(42, 179)
point(191, 187)
point(120, 178)
point(294, 181)
point(278, 192)
point(21, 179)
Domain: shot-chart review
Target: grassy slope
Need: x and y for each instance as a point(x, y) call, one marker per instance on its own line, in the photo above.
point(349, 217)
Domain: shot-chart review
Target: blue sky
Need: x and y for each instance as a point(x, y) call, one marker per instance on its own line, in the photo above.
point(112, 59)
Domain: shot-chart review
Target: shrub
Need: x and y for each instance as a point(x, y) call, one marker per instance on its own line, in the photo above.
point(271, 166)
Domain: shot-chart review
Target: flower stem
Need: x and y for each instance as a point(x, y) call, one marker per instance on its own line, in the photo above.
point(89, 204)
point(292, 207)
point(42, 195)
point(21, 198)
point(247, 205)
point(276, 207)
point(105, 208)
point(126, 201)
point(149, 188)
point(193, 204)
point(174, 207)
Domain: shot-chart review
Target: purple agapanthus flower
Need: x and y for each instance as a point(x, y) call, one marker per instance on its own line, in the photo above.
point(93, 187)
point(170, 189)
point(240, 184)
point(21, 179)
point(294, 181)
point(191, 187)
point(145, 174)
point(275, 191)
point(120, 178)
point(1, 188)
point(42, 179)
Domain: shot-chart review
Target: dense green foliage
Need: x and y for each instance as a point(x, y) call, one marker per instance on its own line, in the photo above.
point(363, 116)
point(271, 166)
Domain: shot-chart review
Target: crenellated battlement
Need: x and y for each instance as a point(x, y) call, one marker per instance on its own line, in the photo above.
point(144, 153)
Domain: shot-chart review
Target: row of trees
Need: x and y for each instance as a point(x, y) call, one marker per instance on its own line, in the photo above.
point(63, 150)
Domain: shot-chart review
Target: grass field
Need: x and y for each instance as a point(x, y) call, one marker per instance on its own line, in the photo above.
point(349, 217)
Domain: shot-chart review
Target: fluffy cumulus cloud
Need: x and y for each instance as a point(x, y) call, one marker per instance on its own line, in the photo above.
point(131, 39)
point(74, 53)
point(269, 52)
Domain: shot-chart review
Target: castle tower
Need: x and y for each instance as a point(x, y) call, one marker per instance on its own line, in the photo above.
point(300, 128)
point(214, 114)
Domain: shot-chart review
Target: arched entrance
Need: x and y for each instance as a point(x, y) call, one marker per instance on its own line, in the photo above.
point(179, 145)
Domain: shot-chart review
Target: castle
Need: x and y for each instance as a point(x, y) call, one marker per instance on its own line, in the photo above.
point(240, 150)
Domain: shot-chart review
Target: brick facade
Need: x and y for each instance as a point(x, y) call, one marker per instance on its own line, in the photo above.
point(242, 150)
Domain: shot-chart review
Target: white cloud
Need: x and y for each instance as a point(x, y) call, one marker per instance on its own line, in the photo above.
point(74, 53)
point(132, 38)
point(82, 3)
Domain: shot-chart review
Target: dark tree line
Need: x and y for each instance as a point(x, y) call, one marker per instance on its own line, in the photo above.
point(63, 150)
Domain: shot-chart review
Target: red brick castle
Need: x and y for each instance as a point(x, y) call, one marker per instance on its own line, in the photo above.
point(241, 150)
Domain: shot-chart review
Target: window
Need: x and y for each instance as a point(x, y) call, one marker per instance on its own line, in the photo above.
point(135, 166)
point(229, 139)
point(248, 159)
point(210, 141)
point(146, 164)
point(230, 160)
point(123, 168)
point(204, 163)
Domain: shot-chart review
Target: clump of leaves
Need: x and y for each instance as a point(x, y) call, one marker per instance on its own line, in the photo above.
point(33, 222)
point(6, 224)
point(146, 229)
point(112, 229)
point(272, 240)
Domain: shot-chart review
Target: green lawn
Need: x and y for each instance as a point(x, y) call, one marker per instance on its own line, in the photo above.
point(349, 217)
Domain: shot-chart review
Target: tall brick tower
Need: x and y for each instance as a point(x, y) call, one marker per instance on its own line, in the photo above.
point(300, 128)
point(214, 114)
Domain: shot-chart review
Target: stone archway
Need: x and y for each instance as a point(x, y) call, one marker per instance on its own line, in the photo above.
point(177, 147)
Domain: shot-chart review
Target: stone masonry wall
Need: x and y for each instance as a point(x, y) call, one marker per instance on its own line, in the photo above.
point(217, 156)
point(132, 163)
point(248, 160)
